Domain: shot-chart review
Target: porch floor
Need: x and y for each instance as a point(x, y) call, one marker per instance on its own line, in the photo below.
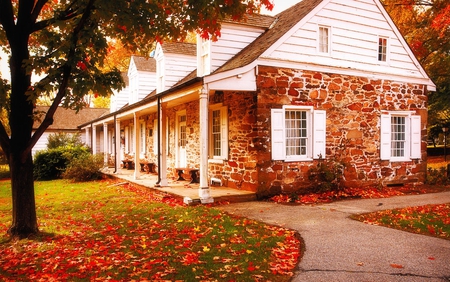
point(182, 189)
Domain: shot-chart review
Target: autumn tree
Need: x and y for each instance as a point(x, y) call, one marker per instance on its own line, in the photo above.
point(425, 26)
point(66, 42)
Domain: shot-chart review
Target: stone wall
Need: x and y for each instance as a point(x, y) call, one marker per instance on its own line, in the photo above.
point(240, 170)
point(353, 106)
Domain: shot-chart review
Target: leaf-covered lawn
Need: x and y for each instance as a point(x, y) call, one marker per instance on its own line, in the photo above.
point(433, 220)
point(97, 231)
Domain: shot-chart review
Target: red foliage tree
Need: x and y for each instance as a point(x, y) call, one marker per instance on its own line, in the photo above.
point(68, 41)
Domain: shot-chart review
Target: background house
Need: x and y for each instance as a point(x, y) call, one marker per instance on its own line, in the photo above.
point(65, 121)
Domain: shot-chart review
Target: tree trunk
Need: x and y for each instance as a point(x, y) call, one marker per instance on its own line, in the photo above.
point(24, 220)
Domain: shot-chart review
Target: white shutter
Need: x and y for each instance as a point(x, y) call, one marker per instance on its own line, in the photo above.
point(224, 132)
point(416, 138)
point(277, 129)
point(385, 137)
point(319, 134)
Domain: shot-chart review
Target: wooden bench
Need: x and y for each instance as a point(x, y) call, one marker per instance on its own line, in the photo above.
point(148, 167)
point(192, 171)
point(128, 164)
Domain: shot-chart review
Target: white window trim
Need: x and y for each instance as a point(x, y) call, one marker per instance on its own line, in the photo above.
point(413, 136)
point(388, 48)
point(316, 134)
point(328, 53)
point(224, 133)
point(160, 74)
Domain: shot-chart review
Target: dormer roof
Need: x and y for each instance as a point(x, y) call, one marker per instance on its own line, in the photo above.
point(144, 64)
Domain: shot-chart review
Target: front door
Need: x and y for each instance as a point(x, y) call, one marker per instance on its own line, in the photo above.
point(181, 140)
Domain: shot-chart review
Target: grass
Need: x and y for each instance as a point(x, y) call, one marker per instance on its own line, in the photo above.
point(99, 231)
point(432, 220)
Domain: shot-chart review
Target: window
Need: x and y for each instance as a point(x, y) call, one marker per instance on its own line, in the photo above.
point(160, 75)
point(218, 124)
point(382, 49)
point(142, 140)
point(205, 57)
point(156, 136)
point(400, 136)
point(324, 39)
point(298, 133)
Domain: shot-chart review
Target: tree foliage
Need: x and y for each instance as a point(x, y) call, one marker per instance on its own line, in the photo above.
point(66, 43)
point(425, 26)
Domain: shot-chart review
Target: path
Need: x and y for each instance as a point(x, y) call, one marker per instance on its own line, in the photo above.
point(341, 249)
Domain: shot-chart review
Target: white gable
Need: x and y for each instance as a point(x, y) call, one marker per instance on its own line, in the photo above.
point(172, 67)
point(354, 30)
point(141, 81)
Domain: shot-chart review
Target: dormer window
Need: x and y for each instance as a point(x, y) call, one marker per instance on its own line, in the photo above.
point(324, 40)
point(204, 58)
point(160, 75)
point(382, 49)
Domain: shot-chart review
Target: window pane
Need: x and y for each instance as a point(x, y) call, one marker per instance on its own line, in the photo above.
point(398, 136)
point(382, 49)
point(323, 39)
point(296, 133)
point(216, 133)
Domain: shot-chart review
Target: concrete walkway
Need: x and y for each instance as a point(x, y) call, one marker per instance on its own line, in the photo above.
point(338, 248)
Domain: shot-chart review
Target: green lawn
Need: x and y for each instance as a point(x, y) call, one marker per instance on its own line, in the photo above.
point(97, 230)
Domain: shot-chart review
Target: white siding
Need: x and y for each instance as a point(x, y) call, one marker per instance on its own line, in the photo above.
point(355, 28)
point(232, 40)
point(119, 99)
point(177, 67)
point(141, 83)
point(41, 143)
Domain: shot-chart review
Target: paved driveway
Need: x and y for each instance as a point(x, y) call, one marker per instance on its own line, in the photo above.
point(341, 249)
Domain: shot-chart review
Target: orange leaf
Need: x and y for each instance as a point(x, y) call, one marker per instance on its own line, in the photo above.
point(394, 265)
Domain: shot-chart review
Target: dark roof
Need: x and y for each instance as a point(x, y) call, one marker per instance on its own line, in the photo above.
point(258, 20)
point(144, 64)
point(283, 23)
point(183, 48)
point(66, 119)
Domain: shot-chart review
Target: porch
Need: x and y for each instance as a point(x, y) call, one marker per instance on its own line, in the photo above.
point(182, 189)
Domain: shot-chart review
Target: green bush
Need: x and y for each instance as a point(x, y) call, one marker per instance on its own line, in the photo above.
point(62, 139)
point(437, 176)
point(326, 176)
point(51, 163)
point(85, 168)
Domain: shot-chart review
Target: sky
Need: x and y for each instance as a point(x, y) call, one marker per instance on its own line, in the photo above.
point(279, 5)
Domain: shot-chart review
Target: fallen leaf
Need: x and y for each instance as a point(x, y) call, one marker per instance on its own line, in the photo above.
point(394, 265)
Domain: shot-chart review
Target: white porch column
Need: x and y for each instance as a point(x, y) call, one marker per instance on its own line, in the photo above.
point(94, 139)
point(163, 145)
point(204, 191)
point(117, 145)
point(105, 144)
point(137, 148)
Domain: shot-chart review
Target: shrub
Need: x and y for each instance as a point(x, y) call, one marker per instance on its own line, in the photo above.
point(62, 139)
point(84, 168)
point(437, 176)
point(326, 176)
point(50, 164)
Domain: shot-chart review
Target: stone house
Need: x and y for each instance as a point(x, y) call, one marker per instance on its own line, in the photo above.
point(325, 80)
